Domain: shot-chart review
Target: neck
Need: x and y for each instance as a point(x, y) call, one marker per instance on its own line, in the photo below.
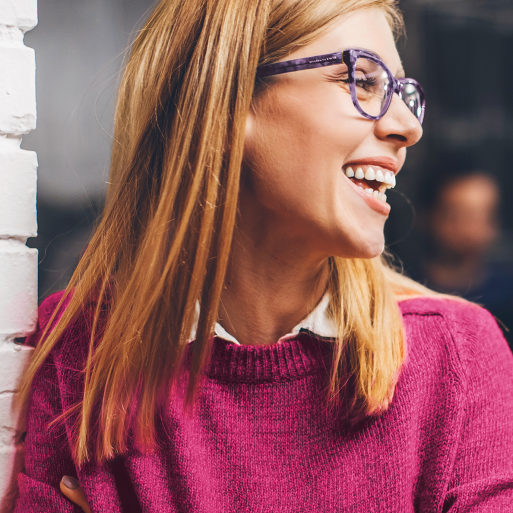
point(269, 289)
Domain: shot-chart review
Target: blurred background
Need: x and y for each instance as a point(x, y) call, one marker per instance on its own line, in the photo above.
point(451, 225)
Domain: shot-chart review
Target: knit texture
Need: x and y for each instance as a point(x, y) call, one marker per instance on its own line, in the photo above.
point(261, 439)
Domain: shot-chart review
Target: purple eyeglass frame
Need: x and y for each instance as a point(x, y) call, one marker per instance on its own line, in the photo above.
point(349, 58)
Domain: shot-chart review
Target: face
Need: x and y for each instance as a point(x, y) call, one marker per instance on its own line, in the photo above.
point(464, 220)
point(302, 134)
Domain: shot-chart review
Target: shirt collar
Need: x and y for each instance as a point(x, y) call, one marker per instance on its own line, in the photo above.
point(319, 323)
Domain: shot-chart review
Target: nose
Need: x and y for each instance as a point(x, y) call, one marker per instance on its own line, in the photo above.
point(399, 125)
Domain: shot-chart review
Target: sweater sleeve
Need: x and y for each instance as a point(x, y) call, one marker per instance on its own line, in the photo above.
point(47, 453)
point(482, 474)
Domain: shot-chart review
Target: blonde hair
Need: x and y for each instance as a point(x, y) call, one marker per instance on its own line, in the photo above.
point(165, 236)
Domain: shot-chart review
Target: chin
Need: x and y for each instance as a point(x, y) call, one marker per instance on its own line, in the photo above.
point(354, 243)
point(367, 250)
point(370, 248)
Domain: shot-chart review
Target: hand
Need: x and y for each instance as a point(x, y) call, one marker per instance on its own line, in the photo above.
point(71, 488)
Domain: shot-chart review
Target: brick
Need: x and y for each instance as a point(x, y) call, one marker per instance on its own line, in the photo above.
point(8, 419)
point(7, 457)
point(18, 184)
point(18, 288)
point(13, 361)
point(17, 90)
point(8, 436)
point(11, 462)
point(10, 427)
point(18, 13)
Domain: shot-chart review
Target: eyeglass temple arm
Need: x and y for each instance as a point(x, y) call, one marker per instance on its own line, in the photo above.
point(318, 61)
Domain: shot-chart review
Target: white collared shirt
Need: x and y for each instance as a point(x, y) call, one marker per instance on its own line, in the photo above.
point(319, 322)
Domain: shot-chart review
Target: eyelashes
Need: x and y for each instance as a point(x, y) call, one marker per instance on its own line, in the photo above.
point(363, 80)
point(367, 83)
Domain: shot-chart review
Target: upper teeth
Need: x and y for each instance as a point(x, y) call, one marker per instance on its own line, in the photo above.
point(370, 174)
point(387, 177)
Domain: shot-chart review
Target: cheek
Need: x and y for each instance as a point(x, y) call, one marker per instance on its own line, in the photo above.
point(298, 148)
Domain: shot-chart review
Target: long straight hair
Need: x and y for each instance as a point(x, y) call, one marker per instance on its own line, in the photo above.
point(164, 240)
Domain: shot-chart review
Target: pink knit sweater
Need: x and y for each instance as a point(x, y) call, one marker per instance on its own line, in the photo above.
point(261, 440)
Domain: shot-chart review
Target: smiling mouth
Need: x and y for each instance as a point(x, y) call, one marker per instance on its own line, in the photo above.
point(374, 180)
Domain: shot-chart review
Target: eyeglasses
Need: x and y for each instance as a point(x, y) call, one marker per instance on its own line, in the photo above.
point(367, 78)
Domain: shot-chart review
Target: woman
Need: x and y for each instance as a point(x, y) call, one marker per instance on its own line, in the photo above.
point(253, 210)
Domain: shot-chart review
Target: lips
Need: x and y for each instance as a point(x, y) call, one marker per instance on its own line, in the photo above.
point(387, 163)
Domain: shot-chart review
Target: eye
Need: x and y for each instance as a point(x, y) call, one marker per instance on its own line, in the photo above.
point(367, 83)
point(363, 80)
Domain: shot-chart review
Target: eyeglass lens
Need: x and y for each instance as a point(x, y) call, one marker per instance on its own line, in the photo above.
point(412, 97)
point(373, 88)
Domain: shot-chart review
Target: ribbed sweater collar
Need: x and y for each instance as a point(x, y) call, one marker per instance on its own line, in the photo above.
point(289, 360)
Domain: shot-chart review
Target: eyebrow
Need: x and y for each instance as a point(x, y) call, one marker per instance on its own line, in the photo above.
point(399, 74)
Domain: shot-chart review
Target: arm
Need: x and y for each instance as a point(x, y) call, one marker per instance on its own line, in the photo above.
point(482, 474)
point(47, 453)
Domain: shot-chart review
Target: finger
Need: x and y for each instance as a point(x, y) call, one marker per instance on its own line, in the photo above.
point(71, 488)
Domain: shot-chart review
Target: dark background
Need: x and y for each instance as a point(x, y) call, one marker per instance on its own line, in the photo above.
point(462, 54)
point(460, 51)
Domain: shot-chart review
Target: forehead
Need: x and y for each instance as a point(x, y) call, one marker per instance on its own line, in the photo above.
point(366, 29)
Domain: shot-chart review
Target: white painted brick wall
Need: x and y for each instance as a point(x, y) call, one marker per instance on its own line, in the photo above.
point(18, 264)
